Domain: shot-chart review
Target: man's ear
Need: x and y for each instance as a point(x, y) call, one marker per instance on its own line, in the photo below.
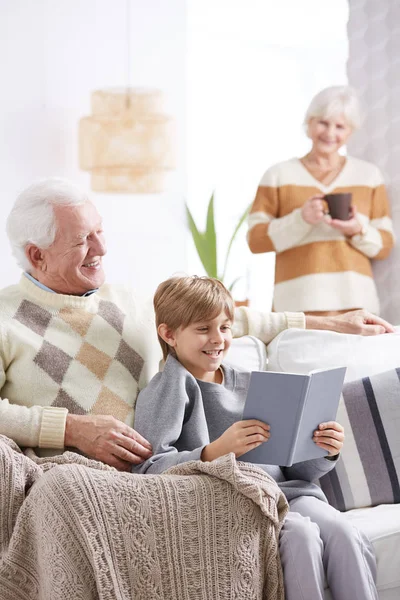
point(167, 334)
point(35, 256)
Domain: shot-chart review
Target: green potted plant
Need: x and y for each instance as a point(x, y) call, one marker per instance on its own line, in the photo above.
point(206, 243)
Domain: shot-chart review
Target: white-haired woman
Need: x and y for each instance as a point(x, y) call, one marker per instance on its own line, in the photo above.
point(322, 264)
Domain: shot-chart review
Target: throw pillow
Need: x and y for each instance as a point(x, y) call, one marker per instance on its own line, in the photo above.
point(368, 472)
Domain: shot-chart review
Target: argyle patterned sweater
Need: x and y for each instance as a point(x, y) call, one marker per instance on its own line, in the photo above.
point(60, 353)
point(85, 355)
point(317, 267)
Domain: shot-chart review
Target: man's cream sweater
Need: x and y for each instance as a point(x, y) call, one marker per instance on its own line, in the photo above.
point(85, 355)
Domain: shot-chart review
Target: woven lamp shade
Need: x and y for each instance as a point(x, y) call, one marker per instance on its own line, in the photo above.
point(127, 142)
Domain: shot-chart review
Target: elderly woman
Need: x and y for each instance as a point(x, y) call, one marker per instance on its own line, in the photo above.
point(323, 265)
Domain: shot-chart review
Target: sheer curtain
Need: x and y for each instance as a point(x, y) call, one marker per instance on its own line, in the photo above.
point(252, 68)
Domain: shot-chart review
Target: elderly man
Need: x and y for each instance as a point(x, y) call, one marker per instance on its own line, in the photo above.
point(74, 351)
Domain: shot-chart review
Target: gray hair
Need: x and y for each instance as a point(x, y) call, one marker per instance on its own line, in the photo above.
point(32, 219)
point(336, 101)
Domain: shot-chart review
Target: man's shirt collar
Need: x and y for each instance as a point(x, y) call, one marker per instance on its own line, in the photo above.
point(47, 289)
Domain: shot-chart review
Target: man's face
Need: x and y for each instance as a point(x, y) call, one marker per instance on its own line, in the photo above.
point(73, 263)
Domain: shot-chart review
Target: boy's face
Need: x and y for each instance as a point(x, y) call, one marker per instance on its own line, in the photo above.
point(201, 347)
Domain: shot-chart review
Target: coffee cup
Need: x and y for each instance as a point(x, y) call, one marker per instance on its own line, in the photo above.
point(339, 205)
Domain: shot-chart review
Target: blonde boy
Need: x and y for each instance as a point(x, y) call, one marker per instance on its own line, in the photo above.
point(193, 411)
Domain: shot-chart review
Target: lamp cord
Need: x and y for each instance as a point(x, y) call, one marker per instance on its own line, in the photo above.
point(128, 53)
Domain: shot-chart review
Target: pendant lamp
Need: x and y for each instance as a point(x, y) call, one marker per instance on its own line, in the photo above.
point(127, 141)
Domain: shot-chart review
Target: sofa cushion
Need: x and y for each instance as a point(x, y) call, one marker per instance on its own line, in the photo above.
point(382, 526)
point(368, 472)
point(301, 351)
point(247, 353)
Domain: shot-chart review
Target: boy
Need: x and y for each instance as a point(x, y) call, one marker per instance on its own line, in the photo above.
point(192, 411)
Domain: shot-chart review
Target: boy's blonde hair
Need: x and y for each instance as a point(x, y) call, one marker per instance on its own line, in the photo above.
point(181, 301)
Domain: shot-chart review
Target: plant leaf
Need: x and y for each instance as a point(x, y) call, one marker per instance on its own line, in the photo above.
point(200, 242)
point(238, 226)
point(234, 282)
point(211, 238)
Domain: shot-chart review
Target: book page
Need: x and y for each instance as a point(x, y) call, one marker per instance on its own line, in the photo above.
point(276, 399)
point(320, 406)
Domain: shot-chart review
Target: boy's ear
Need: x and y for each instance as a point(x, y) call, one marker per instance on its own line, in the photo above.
point(167, 334)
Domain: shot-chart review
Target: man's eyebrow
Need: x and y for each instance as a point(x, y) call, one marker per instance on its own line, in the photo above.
point(84, 234)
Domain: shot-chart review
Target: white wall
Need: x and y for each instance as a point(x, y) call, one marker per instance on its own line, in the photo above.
point(53, 54)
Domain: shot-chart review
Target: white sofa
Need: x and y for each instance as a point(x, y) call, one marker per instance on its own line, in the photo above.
point(300, 351)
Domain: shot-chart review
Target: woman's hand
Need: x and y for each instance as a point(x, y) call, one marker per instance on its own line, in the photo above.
point(329, 436)
point(105, 438)
point(313, 210)
point(348, 228)
point(238, 438)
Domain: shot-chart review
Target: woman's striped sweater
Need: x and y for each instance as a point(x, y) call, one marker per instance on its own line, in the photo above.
point(317, 267)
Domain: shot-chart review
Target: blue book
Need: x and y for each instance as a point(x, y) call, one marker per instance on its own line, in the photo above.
point(293, 405)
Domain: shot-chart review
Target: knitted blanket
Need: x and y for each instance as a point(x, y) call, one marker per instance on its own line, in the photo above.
point(71, 527)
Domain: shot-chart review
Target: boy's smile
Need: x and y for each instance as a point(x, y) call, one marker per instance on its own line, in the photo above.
point(214, 353)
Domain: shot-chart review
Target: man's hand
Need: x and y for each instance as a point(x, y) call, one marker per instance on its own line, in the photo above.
point(359, 322)
point(238, 438)
point(330, 437)
point(104, 438)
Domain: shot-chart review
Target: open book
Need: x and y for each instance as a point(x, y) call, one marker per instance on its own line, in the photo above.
point(293, 405)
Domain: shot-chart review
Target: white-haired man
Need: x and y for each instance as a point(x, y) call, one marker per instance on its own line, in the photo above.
point(74, 351)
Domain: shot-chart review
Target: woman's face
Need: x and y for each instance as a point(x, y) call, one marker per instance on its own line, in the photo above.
point(328, 134)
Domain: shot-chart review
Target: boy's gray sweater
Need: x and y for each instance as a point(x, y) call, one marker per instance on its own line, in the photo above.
point(179, 415)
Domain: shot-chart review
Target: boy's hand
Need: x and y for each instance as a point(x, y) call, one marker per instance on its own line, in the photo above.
point(330, 437)
point(238, 438)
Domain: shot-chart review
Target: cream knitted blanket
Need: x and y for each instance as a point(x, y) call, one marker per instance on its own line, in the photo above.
point(74, 529)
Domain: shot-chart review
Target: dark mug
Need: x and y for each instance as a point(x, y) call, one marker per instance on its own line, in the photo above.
point(339, 205)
